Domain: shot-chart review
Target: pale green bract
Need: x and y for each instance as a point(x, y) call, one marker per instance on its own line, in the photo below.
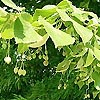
point(59, 37)
point(39, 43)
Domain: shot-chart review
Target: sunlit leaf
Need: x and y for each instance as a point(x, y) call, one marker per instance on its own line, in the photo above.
point(24, 32)
point(22, 48)
point(2, 12)
point(64, 4)
point(95, 93)
point(84, 32)
point(59, 37)
point(44, 12)
point(64, 15)
point(27, 16)
point(52, 19)
point(90, 58)
point(96, 78)
point(97, 53)
point(11, 4)
point(63, 66)
point(8, 33)
point(80, 63)
point(82, 53)
point(80, 84)
point(40, 43)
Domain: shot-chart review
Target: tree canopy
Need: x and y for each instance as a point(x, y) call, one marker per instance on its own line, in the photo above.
point(49, 50)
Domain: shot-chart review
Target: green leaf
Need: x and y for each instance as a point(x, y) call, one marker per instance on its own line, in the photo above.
point(3, 19)
point(35, 24)
point(52, 19)
point(96, 78)
point(40, 43)
point(27, 17)
point(11, 4)
point(97, 37)
point(84, 32)
point(24, 32)
point(8, 33)
point(22, 48)
point(80, 63)
point(44, 12)
point(64, 15)
point(90, 58)
point(97, 53)
point(64, 4)
point(82, 53)
point(59, 37)
point(80, 84)
point(63, 66)
point(80, 16)
point(2, 12)
point(96, 44)
point(95, 93)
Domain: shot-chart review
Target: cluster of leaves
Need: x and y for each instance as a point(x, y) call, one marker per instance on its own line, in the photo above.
point(74, 32)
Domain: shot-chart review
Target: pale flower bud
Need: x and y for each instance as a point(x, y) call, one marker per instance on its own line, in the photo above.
point(65, 86)
point(7, 59)
point(24, 72)
point(20, 71)
point(15, 70)
point(59, 86)
point(45, 63)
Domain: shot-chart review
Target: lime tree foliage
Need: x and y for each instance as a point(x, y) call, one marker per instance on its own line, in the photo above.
point(53, 54)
